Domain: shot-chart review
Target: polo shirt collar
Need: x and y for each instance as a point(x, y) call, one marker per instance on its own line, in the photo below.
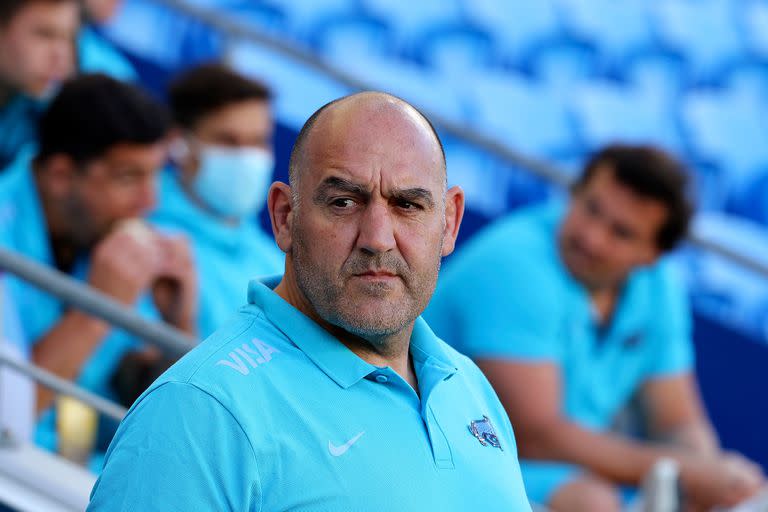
point(431, 359)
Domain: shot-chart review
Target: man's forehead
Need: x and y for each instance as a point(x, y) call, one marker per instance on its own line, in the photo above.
point(373, 131)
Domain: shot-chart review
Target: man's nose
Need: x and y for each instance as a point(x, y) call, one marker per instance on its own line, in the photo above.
point(147, 196)
point(376, 230)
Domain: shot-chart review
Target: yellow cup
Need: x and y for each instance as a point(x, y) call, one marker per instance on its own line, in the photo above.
point(76, 425)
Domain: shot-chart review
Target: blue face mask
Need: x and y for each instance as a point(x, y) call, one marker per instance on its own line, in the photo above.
point(233, 182)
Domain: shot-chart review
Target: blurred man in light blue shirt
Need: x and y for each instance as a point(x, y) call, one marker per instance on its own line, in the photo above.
point(570, 310)
point(37, 42)
point(329, 392)
point(224, 166)
point(74, 205)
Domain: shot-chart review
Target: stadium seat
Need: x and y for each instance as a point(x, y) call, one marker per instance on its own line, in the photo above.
point(525, 115)
point(726, 129)
point(422, 87)
point(753, 20)
point(353, 37)
point(306, 16)
point(657, 75)
point(722, 288)
point(618, 29)
point(455, 51)
point(412, 21)
point(608, 112)
point(299, 90)
point(518, 26)
point(564, 66)
point(681, 25)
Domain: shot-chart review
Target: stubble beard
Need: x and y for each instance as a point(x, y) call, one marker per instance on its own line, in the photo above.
point(378, 326)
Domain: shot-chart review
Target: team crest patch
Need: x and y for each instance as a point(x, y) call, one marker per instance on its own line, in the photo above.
point(484, 432)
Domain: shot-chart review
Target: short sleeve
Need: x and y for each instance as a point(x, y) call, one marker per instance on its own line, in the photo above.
point(671, 332)
point(499, 302)
point(178, 449)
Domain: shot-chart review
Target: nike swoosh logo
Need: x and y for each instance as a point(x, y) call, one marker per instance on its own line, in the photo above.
point(338, 451)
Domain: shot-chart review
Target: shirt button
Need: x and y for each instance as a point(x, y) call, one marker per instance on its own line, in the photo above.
point(381, 379)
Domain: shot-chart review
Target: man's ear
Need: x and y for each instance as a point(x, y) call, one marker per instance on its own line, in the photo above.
point(56, 175)
point(454, 212)
point(280, 205)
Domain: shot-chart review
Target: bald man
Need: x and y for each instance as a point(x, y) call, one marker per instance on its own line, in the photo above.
point(329, 392)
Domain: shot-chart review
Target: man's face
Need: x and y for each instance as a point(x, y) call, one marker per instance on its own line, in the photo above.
point(246, 124)
point(118, 186)
point(369, 224)
point(609, 230)
point(37, 46)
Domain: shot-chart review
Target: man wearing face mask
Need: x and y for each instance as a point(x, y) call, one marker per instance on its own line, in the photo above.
point(36, 52)
point(223, 168)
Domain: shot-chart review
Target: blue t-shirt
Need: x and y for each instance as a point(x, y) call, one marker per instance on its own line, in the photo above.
point(273, 413)
point(23, 229)
point(226, 255)
point(507, 295)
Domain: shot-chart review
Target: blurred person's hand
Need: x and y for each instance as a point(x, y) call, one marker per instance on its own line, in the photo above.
point(724, 480)
point(175, 289)
point(126, 262)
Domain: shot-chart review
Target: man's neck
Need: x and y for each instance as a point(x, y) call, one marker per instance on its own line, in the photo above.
point(7, 92)
point(392, 350)
point(604, 301)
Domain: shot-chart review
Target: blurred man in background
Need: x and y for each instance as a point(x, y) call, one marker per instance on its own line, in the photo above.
point(75, 207)
point(329, 392)
point(223, 168)
point(37, 52)
point(569, 311)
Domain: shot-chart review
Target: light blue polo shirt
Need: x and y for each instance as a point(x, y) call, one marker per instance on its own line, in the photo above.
point(23, 229)
point(506, 294)
point(273, 413)
point(226, 256)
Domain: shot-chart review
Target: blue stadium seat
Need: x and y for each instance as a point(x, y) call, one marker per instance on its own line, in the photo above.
point(750, 80)
point(159, 34)
point(728, 130)
point(526, 115)
point(353, 37)
point(753, 20)
point(409, 81)
point(473, 170)
point(721, 288)
point(607, 112)
point(659, 75)
point(455, 51)
point(412, 21)
point(618, 29)
point(564, 66)
point(306, 16)
point(704, 31)
point(299, 90)
point(519, 26)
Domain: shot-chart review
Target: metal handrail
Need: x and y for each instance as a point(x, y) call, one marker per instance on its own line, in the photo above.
point(169, 339)
point(236, 29)
point(63, 386)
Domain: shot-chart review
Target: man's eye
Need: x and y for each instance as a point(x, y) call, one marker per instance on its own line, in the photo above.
point(343, 202)
point(408, 205)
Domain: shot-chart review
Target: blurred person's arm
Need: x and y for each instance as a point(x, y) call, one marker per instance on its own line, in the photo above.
point(531, 394)
point(122, 266)
point(676, 415)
